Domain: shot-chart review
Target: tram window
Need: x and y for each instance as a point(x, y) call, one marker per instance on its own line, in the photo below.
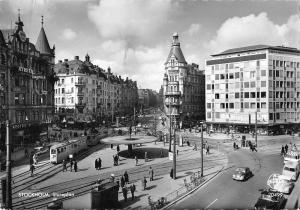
point(53, 151)
point(58, 151)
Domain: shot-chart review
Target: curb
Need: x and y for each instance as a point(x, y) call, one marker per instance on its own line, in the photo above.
point(190, 192)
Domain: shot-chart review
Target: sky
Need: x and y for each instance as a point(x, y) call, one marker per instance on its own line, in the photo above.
point(134, 37)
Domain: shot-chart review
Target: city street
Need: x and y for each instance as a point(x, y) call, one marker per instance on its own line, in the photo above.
point(224, 192)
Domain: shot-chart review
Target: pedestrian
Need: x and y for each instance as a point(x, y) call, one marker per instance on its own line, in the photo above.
point(124, 191)
point(118, 183)
point(188, 143)
point(64, 166)
point(34, 159)
point(144, 181)
point(136, 160)
point(75, 165)
point(112, 177)
point(146, 159)
point(151, 173)
point(114, 159)
point(32, 169)
point(286, 148)
point(126, 177)
point(177, 152)
point(207, 150)
point(99, 163)
point(117, 159)
point(132, 190)
point(171, 173)
point(282, 151)
point(111, 146)
point(161, 153)
point(118, 149)
point(122, 181)
point(71, 165)
point(96, 164)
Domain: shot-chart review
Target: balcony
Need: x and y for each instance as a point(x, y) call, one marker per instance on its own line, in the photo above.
point(176, 103)
point(172, 93)
point(80, 83)
point(80, 94)
point(80, 105)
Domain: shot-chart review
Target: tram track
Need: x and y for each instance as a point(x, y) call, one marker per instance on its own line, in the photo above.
point(84, 185)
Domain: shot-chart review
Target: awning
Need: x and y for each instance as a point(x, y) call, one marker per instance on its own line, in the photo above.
point(43, 134)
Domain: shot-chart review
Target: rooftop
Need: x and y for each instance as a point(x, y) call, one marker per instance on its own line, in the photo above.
point(257, 47)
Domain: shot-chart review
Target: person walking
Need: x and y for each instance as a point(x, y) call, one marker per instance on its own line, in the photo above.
point(32, 169)
point(126, 177)
point(207, 149)
point(124, 191)
point(151, 173)
point(144, 181)
point(136, 160)
point(99, 163)
point(111, 146)
point(171, 173)
point(118, 149)
point(286, 148)
point(64, 166)
point(282, 151)
point(96, 164)
point(75, 166)
point(71, 165)
point(122, 181)
point(132, 190)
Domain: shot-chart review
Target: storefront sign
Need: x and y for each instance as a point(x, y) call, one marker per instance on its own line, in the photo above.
point(38, 77)
point(25, 70)
point(21, 125)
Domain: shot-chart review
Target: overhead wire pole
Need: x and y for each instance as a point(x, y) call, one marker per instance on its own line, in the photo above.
point(174, 153)
point(201, 149)
point(256, 129)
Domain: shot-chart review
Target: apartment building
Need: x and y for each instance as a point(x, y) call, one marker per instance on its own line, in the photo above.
point(252, 83)
point(183, 86)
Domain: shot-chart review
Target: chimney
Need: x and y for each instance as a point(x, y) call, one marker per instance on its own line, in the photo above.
point(65, 60)
point(108, 70)
point(59, 61)
point(76, 57)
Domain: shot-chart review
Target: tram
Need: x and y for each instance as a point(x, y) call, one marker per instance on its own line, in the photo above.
point(61, 151)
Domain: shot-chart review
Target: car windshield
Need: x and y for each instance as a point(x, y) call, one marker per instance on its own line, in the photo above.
point(240, 170)
point(289, 169)
point(291, 156)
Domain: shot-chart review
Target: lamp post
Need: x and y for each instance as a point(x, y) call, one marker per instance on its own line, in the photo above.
point(256, 129)
point(201, 149)
point(8, 168)
point(174, 153)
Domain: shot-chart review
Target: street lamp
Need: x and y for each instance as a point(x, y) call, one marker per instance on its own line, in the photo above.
point(201, 149)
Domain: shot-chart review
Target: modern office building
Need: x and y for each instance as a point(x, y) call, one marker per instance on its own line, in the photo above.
point(259, 80)
point(85, 92)
point(26, 85)
point(183, 86)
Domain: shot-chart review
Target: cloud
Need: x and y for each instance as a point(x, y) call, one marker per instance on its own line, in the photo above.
point(68, 34)
point(194, 29)
point(136, 22)
point(251, 30)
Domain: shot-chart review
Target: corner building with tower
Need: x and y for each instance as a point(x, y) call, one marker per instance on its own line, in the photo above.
point(183, 87)
point(26, 85)
point(251, 84)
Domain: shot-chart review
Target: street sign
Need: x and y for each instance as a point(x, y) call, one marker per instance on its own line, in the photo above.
point(170, 155)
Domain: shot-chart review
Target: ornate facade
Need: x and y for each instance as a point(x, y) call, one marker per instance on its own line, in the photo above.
point(26, 84)
point(183, 86)
point(86, 92)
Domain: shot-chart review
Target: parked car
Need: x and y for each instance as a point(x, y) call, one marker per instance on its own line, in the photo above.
point(291, 170)
point(242, 174)
point(283, 185)
point(292, 156)
point(270, 199)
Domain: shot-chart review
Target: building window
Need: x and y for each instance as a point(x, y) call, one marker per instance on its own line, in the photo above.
point(209, 105)
point(63, 90)
point(277, 116)
point(257, 63)
point(71, 80)
point(263, 73)
point(246, 84)
point(263, 94)
point(252, 84)
point(62, 100)
point(270, 116)
point(208, 114)
point(222, 105)
point(237, 75)
point(208, 87)
point(217, 96)
point(246, 105)
point(270, 73)
point(252, 95)
point(217, 77)
point(231, 76)
point(263, 83)
point(253, 105)
point(222, 76)
point(231, 105)
point(237, 95)
point(246, 94)
point(62, 81)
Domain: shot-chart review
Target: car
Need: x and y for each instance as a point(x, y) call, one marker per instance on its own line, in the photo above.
point(291, 170)
point(283, 185)
point(242, 174)
point(270, 199)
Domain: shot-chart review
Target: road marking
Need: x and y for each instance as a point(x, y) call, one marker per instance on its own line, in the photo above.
point(211, 204)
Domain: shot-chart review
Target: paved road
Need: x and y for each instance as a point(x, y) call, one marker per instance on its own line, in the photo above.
point(223, 192)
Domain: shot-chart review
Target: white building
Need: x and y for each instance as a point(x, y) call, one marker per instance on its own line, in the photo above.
point(256, 79)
